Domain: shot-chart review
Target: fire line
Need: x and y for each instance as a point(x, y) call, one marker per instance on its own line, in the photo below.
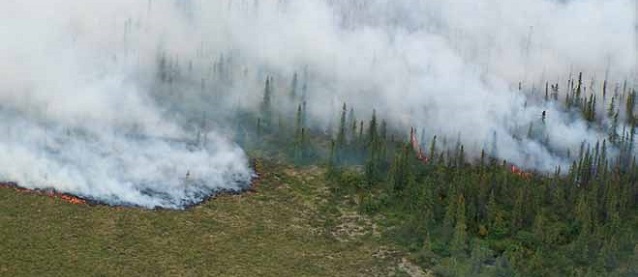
point(50, 193)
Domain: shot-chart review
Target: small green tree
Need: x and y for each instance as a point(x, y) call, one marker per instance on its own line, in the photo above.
point(459, 240)
point(266, 104)
point(341, 134)
point(293, 87)
point(629, 107)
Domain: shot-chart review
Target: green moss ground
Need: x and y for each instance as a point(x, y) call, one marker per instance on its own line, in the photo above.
point(287, 228)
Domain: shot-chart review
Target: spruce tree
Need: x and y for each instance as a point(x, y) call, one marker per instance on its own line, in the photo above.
point(332, 160)
point(581, 249)
point(293, 87)
point(299, 134)
point(341, 134)
point(538, 227)
point(629, 108)
point(372, 131)
point(517, 211)
point(449, 219)
point(497, 227)
point(266, 105)
point(433, 149)
point(613, 130)
point(611, 110)
point(459, 240)
point(352, 122)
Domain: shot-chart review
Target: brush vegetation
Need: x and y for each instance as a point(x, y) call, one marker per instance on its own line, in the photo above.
point(287, 227)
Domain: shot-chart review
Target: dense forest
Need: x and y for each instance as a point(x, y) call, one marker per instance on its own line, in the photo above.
point(467, 215)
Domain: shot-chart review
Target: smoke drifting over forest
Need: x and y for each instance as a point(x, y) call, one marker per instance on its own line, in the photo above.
point(82, 108)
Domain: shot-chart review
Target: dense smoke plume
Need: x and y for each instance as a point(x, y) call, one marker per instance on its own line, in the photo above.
point(82, 109)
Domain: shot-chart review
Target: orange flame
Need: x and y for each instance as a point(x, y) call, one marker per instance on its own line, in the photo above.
point(423, 158)
point(514, 169)
point(416, 146)
point(53, 194)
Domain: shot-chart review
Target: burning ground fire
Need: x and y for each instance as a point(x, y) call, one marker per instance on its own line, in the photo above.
point(76, 200)
point(423, 158)
point(50, 193)
point(255, 164)
point(514, 169)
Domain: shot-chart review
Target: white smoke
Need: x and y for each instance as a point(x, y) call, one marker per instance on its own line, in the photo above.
point(83, 112)
point(76, 114)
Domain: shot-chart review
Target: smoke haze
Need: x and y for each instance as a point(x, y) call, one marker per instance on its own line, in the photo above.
point(81, 109)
